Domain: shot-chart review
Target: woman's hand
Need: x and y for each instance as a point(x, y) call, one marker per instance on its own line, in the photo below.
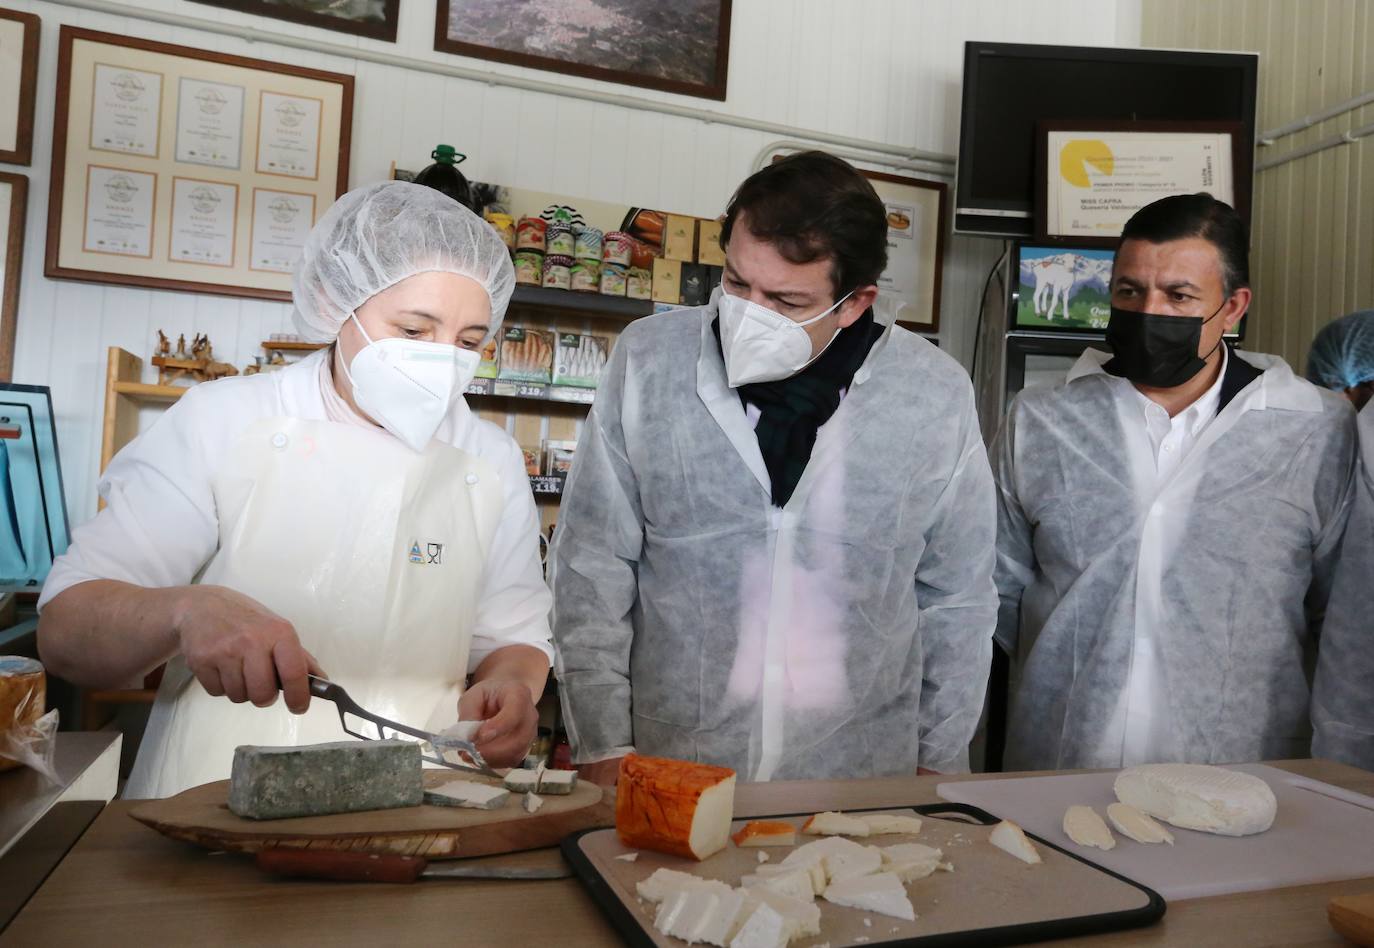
point(237, 647)
point(512, 720)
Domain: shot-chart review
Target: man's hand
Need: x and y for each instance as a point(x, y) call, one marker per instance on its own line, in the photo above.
point(603, 772)
point(512, 720)
point(239, 648)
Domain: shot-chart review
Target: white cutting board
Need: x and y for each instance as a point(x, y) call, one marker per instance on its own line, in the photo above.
point(1321, 833)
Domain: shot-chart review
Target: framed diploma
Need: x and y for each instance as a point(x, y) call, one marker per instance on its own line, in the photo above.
point(14, 195)
point(1092, 176)
point(916, 214)
point(18, 83)
point(181, 169)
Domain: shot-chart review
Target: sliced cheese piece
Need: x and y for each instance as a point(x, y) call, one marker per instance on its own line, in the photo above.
point(468, 793)
point(522, 781)
point(817, 855)
point(532, 802)
point(764, 928)
point(816, 870)
point(796, 883)
point(1010, 838)
point(657, 886)
point(803, 918)
point(672, 806)
point(763, 857)
point(463, 730)
point(830, 823)
point(848, 864)
point(882, 893)
point(881, 824)
point(726, 919)
point(1086, 828)
point(696, 911)
point(558, 783)
point(766, 833)
point(1200, 797)
point(1136, 825)
point(911, 861)
point(628, 857)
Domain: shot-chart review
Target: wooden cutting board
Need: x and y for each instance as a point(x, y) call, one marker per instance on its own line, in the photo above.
point(201, 816)
point(1321, 833)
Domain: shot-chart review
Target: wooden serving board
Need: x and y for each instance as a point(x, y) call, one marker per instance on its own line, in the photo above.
point(201, 816)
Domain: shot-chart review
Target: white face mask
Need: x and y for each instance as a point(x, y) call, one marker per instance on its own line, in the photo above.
point(407, 385)
point(761, 345)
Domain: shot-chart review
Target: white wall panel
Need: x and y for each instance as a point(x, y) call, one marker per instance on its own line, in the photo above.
point(886, 70)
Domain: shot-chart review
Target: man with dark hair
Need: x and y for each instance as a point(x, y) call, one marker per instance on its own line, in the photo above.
point(775, 549)
point(1168, 522)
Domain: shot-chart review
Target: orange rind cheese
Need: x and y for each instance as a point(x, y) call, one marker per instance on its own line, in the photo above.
point(766, 833)
point(673, 806)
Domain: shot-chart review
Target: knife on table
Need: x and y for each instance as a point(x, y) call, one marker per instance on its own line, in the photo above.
point(345, 866)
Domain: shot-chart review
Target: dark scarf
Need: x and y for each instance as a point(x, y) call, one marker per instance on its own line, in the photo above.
point(793, 409)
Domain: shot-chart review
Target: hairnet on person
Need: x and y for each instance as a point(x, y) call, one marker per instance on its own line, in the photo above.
point(1342, 355)
point(377, 235)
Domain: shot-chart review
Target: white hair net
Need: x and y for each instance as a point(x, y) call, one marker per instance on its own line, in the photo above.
point(375, 236)
point(1342, 354)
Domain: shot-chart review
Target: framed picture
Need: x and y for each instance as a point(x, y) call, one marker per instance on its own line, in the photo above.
point(683, 46)
point(14, 201)
point(916, 224)
point(375, 19)
point(18, 83)
point(1067, 290)
point(182, 169)
point(1092, 176)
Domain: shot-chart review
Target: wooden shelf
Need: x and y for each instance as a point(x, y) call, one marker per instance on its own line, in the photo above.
point(589, 304)
point(294, 346)
point(532, 392)
point(151, 393)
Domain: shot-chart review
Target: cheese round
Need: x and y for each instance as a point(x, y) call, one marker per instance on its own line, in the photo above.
point(23, 696)
point(1200, 797)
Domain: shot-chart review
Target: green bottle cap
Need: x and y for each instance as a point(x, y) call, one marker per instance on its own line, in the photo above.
point(446, 155)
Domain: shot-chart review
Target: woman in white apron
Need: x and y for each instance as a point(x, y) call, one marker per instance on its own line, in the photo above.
point(345, 515)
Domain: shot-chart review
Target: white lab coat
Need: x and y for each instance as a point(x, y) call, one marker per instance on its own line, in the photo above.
point(1228, 559)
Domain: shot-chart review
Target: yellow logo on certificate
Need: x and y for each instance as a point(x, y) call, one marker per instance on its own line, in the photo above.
point(1078, 154)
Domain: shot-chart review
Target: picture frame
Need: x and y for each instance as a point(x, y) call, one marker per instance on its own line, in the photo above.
point(18, 84)
point(1101, 172)
point(182, 169)
point(692, 60)
point(916, 251)
point(14, 202)
point(372, 27)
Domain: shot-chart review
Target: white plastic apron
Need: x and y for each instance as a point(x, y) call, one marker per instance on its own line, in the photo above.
point(374, 553)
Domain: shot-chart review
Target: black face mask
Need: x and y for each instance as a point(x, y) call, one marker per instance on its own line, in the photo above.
point(1157, 351)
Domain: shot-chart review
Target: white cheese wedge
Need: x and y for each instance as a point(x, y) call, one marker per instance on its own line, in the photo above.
point(880, 824)
point(532, 802)
point(522, 781)
point(1010, 838)
point(628, 857)
point(763, 857)
point(1086, 828)
point(663, 881)
point(832, 855)
point(704, 912)
point(1136, 825)
point(830, 823)
point(764, 928)
point(803, 918)
point(911, 861)
point(557, 783)
point(467, 793)
point(851, 863)
point(1200, 797)
point(882, 893)
point(815, 870)
point(463, 730)
point(796, 883)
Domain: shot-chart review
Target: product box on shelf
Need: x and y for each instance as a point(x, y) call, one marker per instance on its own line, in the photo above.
point(578, 359)
point(526, 355)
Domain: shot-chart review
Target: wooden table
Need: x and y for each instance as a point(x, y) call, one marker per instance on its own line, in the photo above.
point(124, 884)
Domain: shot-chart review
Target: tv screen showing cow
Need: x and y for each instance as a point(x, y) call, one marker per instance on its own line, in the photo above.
point(1063, 289)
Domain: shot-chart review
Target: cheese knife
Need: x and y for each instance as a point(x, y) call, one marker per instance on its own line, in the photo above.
point(345, 866)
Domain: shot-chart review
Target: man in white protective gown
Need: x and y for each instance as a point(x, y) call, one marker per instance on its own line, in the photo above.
point(775, 548)
point(1169, 522)
point(347, 514)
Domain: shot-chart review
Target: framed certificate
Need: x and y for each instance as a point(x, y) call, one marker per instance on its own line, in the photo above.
point(14, 199)
point(18, 83)
point(916, 215)
point(182, 169)
point(1092, 176)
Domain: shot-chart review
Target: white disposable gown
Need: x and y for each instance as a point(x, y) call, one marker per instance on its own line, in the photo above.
point(1230, 556)
point(1343, 693)
point(845, 635)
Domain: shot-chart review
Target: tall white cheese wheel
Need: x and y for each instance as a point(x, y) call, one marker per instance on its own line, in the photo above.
point(1200, 797)
point(23, 695)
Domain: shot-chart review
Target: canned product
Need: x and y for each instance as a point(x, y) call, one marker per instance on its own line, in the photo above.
point(504, 225)
point(529, 267)
point(612, 280)
point(559, 239)
point(615, 248)
point(558, 271)
point(530, 234)
point(586, 276)
point(588, 241)
point(639, 284)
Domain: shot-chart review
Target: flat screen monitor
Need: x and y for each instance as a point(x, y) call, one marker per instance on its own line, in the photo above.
point(33, 506)
point(1008, 87)
point(1062, 290)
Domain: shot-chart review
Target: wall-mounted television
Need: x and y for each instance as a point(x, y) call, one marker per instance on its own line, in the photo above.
point(1008, 87)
